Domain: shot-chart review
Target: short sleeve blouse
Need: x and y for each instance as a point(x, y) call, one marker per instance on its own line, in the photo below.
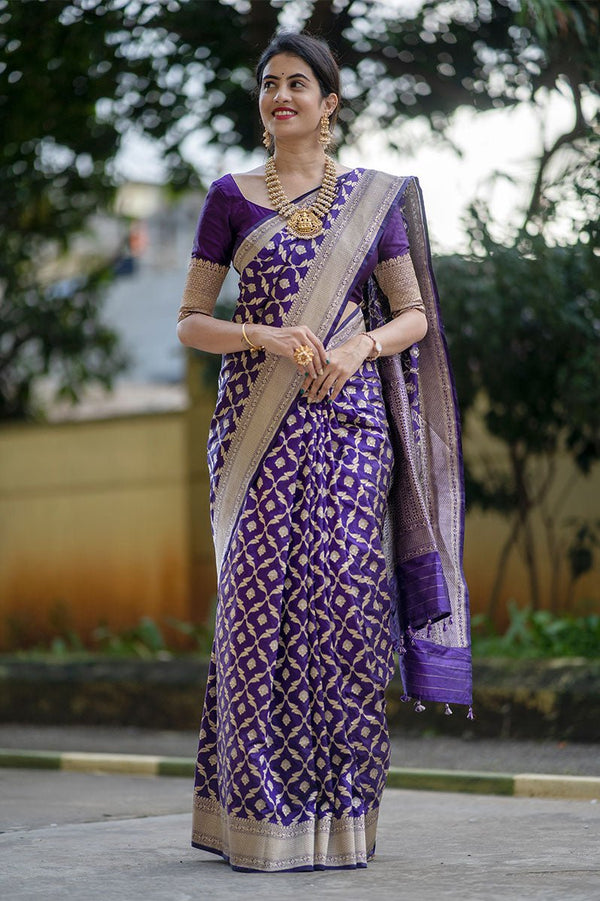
point(227, 216)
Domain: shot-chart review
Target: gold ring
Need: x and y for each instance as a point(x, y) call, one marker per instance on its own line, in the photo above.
point(303, 355)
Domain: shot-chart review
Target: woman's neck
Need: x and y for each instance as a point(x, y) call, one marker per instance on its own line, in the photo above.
point(307, 163)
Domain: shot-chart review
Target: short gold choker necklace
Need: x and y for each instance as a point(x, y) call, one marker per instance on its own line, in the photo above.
point(303, 222)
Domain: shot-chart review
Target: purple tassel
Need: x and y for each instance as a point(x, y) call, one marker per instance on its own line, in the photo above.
point(450, 621)
point(428, 628)
point(470, 714)
point(419, 708)
point(447, 710)
point(410, 634)
point(405, 698)
point(445, 625)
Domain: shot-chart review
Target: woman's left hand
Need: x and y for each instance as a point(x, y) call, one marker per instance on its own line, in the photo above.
point(343, 363)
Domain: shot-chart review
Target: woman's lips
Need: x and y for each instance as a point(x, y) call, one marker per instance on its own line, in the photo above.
point(283, 113)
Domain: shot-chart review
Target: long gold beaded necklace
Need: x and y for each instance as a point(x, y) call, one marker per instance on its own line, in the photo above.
point(303, 222)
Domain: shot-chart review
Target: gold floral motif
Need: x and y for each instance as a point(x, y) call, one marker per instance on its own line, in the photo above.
point(303, 355)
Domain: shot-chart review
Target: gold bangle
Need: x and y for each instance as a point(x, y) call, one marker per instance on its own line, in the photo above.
point(253, 347)
point(377, 348)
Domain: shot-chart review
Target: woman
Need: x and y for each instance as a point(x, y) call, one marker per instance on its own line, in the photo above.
point(334, 433)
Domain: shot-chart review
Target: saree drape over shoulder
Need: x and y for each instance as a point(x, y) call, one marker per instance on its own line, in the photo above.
point(337, 529)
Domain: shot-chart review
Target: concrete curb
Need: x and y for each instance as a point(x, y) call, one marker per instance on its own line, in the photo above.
point(528, 699)
point(524, 785)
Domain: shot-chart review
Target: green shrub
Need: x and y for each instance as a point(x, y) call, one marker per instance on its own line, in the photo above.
point(537, 633)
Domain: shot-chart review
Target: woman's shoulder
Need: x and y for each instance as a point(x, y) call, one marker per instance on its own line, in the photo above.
point(390, 175)
point(251, 175)
point(236, 186)
point(223, 192)
point(223, 185)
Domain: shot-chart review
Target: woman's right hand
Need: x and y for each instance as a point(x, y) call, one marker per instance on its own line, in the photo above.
point(284, 341)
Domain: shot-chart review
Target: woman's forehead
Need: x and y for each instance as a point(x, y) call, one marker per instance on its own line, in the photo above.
point(284, 64)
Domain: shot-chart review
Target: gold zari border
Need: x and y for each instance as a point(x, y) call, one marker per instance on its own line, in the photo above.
point(202, 286)
point(437, 410)
point(398, 281)
point(266, 846)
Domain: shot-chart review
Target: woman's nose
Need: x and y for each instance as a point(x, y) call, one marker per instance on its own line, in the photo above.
point(282, 92)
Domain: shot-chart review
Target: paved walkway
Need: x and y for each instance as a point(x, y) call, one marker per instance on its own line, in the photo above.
point(88, 837)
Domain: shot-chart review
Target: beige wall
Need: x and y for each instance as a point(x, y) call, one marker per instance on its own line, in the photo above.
point(107, 521)
point(572, 496)
point(202, 570)
point(94, 523)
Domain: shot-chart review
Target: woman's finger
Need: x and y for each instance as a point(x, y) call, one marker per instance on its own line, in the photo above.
point(319, 381)
point(336, 388)
point(324, 381)
point(320, 360)
point(323, 359)
point(306, 386)
point(321, 391)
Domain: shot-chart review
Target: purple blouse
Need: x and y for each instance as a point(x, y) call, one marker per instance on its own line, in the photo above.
point(227, 217)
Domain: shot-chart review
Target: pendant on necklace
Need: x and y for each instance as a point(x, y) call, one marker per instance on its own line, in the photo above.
point(304, 224)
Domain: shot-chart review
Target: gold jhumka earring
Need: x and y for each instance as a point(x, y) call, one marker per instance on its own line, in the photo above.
point(325, 135)
point(267, 138)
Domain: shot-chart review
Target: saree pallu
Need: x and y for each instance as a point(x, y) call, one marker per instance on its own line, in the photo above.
point(294, 749)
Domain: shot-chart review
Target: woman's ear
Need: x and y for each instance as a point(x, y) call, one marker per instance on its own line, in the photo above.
point(331, 104)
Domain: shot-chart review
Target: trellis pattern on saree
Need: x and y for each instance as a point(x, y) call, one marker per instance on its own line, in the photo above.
point(294, 748)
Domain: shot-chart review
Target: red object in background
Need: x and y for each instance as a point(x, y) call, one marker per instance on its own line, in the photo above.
point(138, 239)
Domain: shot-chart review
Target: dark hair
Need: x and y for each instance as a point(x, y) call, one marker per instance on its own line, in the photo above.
point(316, 53)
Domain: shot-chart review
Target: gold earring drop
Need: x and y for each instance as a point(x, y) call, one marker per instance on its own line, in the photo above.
point(325, 135)
point(267, 138)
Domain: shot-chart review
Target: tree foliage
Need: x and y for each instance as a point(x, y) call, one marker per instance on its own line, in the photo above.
point(52, 178)
point(523, 326)
point(54, 330)
point(77, 75)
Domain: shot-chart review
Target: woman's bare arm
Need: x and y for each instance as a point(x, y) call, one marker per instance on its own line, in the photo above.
point(395, 336)
point(219, 336)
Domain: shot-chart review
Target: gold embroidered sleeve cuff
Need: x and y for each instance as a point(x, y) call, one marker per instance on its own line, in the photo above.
point(396, 278)
point(202, 286)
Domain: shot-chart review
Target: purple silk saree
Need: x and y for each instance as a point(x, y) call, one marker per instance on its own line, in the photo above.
point(338, 537)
